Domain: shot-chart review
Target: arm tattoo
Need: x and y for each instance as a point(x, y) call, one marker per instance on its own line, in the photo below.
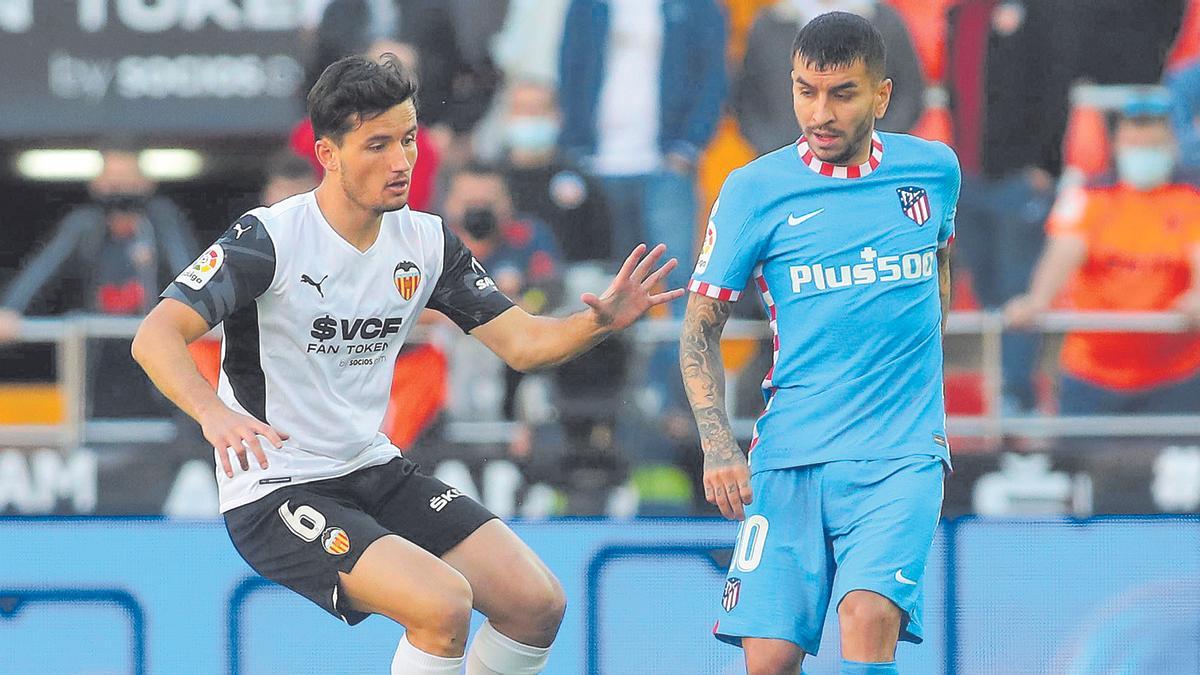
point(944, 282)
point(704, 376)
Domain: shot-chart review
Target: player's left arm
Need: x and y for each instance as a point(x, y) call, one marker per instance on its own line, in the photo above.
point(944, 282)
point(527, 342)
point(946, 232)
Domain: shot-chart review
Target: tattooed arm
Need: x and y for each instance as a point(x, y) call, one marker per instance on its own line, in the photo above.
point(944, 282)
point(726, 474)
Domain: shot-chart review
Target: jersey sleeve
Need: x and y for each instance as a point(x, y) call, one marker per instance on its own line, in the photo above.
point(732, 244)
point(1072, 213)
point(230, 274)
point(954, 189)
point(464, 292)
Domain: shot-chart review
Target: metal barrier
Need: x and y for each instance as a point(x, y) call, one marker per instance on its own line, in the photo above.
point(70, 336)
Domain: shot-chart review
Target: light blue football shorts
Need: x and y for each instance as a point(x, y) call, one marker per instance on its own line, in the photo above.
point(820, 531)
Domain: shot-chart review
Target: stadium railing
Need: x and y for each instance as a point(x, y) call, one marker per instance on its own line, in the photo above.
point(71, 334)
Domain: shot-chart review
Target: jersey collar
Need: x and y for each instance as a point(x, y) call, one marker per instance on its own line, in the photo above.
point(833, 170)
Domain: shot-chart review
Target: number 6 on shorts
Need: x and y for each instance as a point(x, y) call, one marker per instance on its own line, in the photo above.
point(305, 522)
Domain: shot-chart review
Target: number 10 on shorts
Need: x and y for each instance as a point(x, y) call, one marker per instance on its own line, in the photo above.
point(752, 538)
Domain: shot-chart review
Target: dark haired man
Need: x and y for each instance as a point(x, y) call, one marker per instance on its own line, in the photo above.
point(845, 233)
point(317, 294)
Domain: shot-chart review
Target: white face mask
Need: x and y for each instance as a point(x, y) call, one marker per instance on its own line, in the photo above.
point(1145, 168)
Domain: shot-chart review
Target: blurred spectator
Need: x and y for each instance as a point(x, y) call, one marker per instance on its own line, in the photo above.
point(546, 185)
point(1131, 245)
point(763, 108)
point(287, 174)
point(1185, 90)
point(424, 174)
point(116, 252)
point(1009, 75)
point(519, 252)
point(641, 87)
point(527, 45)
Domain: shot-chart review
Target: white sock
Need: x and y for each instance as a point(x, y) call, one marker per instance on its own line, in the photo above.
point(492, 653)
point(412, 661)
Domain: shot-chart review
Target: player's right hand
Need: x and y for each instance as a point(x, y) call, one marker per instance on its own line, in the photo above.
point(227, 430)
point(727, 482)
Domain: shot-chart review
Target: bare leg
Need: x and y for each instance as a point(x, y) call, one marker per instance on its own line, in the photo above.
point(402, 581)
point(766, 656)
point(870, 626)
point(512, 587)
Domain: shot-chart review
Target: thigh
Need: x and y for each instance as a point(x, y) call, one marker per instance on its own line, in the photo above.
point(670, 216)
point(1178, 398)
point(502, 570)
point(624, 197)
point(1079, 397)
point(303, 537)
point(779, 579)
point(882, 516)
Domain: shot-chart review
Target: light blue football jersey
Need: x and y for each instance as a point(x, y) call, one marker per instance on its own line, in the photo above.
point(845, 260)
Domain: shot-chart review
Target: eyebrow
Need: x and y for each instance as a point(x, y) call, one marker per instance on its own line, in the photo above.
point(845, 86)
point(387, 137)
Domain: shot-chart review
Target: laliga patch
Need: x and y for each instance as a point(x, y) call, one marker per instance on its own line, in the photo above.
point(199, 273)
point(335, 541)
point(706, 249)
point(407, 277)
point(731, 595)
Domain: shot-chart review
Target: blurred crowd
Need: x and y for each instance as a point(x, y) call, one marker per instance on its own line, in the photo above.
point(558, 134)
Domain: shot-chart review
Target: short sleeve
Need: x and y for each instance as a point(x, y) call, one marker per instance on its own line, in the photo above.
point(230, 274)
point(464, 292)
point(953, 190)
point(732, 243)
point(1070, 215)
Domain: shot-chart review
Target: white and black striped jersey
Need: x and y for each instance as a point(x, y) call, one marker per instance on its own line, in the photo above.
point(312, 327)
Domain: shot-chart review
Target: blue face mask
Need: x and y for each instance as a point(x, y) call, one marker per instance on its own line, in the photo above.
point(1145, 168)
point(531, 134)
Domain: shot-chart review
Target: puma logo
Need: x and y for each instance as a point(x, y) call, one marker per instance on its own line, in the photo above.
point(237, 227)
point(304, 278)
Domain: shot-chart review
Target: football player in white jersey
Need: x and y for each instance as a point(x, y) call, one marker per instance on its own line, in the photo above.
point(317, 294)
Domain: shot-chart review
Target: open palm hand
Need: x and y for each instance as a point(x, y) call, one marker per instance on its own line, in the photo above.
point(631, 292)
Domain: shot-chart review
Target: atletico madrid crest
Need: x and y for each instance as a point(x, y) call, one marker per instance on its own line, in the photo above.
point(733, 591)
point(407, 277)
point(914, 201)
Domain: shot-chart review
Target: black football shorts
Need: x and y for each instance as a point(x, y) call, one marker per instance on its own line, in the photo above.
point(301, 536)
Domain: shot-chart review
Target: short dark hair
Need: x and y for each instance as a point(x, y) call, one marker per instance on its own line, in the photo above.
point(837, 40)
point(356, 88)
point(288, 165)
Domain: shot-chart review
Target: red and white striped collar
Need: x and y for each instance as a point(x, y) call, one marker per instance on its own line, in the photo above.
point(833, 170)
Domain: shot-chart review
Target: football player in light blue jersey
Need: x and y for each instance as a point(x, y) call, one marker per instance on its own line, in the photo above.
point(845, 235)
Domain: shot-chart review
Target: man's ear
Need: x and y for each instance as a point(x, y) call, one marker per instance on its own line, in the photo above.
point(327, 155)
point(883, 97)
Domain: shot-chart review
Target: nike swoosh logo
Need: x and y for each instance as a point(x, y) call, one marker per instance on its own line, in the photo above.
point(794, 221)
point(900, 578)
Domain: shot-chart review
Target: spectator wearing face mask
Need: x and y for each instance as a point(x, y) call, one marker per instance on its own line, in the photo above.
point(518, 251)
point(546, 185)
point(1130, 245)
point(113, 254)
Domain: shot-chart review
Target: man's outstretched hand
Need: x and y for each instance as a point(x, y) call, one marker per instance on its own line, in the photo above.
point(631, 292)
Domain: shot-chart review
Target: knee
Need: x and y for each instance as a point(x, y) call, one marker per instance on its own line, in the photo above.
point(547, 603)
point(868, 613)
point(773, 663)
point(445, 626)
